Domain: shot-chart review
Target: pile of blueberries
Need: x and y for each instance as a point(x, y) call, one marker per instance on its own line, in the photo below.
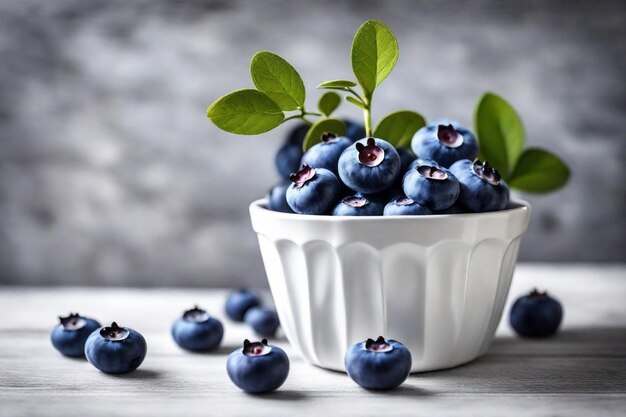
point(259, 367)
point(354, 175)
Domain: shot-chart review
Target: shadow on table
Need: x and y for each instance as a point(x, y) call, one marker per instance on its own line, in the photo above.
point(584, 360)
point(139, 374)
point(281, 395)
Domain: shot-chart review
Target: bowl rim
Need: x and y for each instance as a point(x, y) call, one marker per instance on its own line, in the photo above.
point(260, 205)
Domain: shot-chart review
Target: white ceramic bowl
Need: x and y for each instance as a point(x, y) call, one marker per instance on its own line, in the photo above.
point(435, 283)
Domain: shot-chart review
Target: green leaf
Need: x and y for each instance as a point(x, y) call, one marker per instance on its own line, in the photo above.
point(328, 103)
point(539, 171)
point(374, 54)
point(278, 79)
point(399, 127)
point(314, 135)
point(355, 102)
point(500, 133)
point(337, 84)
point(245, 112)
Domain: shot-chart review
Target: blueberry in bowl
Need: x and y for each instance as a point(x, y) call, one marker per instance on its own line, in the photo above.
point(380, 364)
point(313, 190)
point(358, 205)
point(258, 367)
point(70, 335)
point(404, 206)
point(326, 153)
point(431, 185)
point(481, 187)
point(446, 142)
point(536, 315)
point(115, 350)
point(197, 331)
point(369, 166)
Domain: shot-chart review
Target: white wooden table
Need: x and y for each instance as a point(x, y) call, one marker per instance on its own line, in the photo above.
point(580, 372)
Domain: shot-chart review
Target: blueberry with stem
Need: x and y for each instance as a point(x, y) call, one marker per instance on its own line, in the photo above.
point(445, 141)
point(369, 166)
point(313, 190)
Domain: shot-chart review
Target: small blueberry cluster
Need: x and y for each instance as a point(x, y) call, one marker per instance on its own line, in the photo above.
point(112, 349)
point(243, 305)
point(370, 177)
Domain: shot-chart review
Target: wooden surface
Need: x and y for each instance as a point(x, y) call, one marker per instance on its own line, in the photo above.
point(580, 372)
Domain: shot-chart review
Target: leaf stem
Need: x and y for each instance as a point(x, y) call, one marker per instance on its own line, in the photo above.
point(367, 115)
point(355, 94)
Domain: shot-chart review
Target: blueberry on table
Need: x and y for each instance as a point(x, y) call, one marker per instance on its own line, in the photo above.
point(239, 302)
point(482, 188)
point(358, 205)
point(379, 364)
point(70, 335)
point(445, 141)
point(404, 206)
point(264, 321)
point(258, 367)
point(277, 198)
point(431, 185)
point(536, 315)
point(326, 153)
point(313, 190)
point(197, 331)
point(116, 350)
point(369, 166)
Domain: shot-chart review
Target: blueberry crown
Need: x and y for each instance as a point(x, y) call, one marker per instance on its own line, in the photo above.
point(256, 348)
point(72, 321)
point(370, 155)
point(448, 136)
point(196, 314)
point(114, 332)
point(378, 345)
point(486, 172)
point(301, 177)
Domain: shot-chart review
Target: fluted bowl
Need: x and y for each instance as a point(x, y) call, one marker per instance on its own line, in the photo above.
point(436, 283)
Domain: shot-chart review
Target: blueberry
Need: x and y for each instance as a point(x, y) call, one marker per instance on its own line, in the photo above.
point(258, 367)
point(314, 190)
point(288, 159)
point(239, 302)
point(482, 189)
point(358, 205)
point(277, 198)
point(326, 154)
point(115, 350)
point(404, 206)
point(355, 131)
point(197, 331)
point(446, 142)
point(69, 336)
point(369, 166)
point(264, 321)
point(430, 185)
point(536, 315)
point(378, 364)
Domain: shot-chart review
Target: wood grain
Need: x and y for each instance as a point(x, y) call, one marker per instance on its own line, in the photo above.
point(580, 372)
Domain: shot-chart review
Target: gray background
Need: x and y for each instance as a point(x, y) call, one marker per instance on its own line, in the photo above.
point(111, 174)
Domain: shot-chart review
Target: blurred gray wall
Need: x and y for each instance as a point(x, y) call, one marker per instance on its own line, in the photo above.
point(111, 174)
